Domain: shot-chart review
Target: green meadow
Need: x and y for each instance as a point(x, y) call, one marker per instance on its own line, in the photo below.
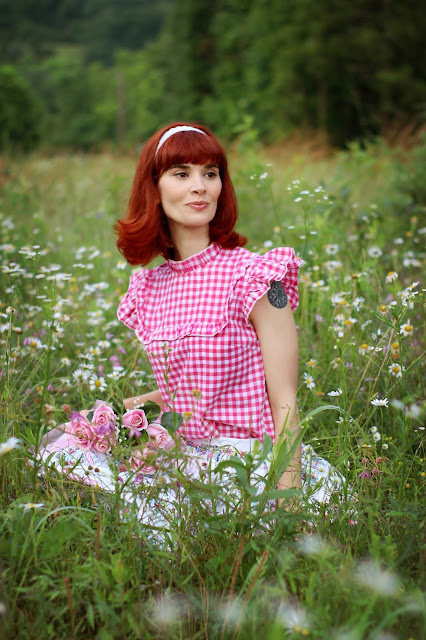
point(71, 564)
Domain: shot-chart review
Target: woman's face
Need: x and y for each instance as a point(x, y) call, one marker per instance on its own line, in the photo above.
point(189, 194)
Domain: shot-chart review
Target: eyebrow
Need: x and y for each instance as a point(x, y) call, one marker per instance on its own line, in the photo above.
point(186, 166)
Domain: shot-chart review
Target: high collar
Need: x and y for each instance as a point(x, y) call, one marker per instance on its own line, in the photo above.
point(196, 261)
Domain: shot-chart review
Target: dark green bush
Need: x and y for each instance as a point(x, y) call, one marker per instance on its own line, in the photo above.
point(19, 112)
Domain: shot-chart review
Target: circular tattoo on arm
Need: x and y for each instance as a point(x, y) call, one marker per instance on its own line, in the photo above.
point(277, 295)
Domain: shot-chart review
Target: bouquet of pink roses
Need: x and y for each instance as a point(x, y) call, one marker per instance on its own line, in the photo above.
point(102, 429)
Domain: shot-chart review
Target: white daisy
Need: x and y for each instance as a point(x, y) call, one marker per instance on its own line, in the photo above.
point(380, 402)
point(9, 445)
point(309, 381)
point(97, 383)
point(375, 252)
point(396, 369)
point(406, 329)
point(391, 277)
point(31, 505)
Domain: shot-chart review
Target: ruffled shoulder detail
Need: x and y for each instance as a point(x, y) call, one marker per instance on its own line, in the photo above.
point(280, 264)
point(127, 309)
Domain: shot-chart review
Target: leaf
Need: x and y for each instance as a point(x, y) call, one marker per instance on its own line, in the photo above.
point(267, 444)
point(144, 437)
point(90, 616)
point(171, 420)
point(90, 415)
point(152, 410)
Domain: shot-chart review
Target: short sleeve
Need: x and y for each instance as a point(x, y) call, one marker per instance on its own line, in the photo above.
point(127, 310)
point(280, 265)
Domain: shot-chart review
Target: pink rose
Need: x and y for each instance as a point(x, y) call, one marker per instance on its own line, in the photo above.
point(81, 433)
point(136, 421)
point(104, 420)
point(138, 458)
point(159, 436)
point(103, 445)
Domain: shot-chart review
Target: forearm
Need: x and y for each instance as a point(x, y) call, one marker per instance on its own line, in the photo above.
point(286, 422)
point(153, 396)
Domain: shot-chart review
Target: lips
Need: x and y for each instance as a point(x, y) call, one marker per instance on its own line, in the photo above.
point(198, 205)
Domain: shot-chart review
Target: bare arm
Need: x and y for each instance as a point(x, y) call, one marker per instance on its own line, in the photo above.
point(154, 396)
point(131, 403)
point(274, 323)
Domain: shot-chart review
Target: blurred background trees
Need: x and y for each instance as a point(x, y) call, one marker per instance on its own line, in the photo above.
point(102, 72)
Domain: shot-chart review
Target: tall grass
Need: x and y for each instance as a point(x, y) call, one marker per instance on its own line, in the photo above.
point(75, 567)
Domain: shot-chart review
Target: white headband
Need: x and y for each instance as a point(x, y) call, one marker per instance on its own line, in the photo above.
point(172, 131)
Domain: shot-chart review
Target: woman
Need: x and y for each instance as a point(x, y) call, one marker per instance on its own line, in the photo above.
point(215, 319)
point(225, 313)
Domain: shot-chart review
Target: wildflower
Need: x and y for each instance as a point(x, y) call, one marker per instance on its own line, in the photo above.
point(104, 344)
point(376, 436)
point(97, 383)
point(406, 329)
point(364, 474)
point(385, 446)
point(32, 505)
point(375, 252)
point(349, 322)
point(380, 402)
point(309, 381)
point(391, 277)
point(311, 363)
point(396, 369)
point(357, 303)
point(333, 394)
point(294, 618)
point(338, 299)
point(81, 375)
point(370, 575)
point(331, 249)
point(312, 545)
point(395, 349)
point(9, 445)
point(196, 393)
point(414, 411)
point(363, 348)
point(383, 308)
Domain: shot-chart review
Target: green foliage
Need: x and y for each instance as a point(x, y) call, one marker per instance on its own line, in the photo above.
point(77, 567)
point(114, 72)
point(19, 113)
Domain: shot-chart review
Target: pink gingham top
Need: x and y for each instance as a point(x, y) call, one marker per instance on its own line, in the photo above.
point(193, 318)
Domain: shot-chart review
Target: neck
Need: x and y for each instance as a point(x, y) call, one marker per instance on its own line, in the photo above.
point(188, 242)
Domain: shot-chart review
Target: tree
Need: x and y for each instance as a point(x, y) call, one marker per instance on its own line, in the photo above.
point(19, 113)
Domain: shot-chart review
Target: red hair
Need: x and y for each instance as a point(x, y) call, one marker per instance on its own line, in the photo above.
point(144, 233)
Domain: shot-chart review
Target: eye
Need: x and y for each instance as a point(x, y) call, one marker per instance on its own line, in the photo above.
point(212, 174)
point(181, 174)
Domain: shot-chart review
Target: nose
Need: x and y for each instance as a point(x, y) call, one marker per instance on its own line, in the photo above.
point(197, 184)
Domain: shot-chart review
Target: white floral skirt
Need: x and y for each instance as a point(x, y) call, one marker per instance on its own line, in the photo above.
point(154, 498)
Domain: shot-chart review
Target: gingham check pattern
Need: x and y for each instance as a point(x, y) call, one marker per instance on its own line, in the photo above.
point(192, 317)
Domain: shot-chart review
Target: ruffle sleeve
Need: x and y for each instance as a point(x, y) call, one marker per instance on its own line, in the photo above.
point(127, 309)
point(280, 265)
